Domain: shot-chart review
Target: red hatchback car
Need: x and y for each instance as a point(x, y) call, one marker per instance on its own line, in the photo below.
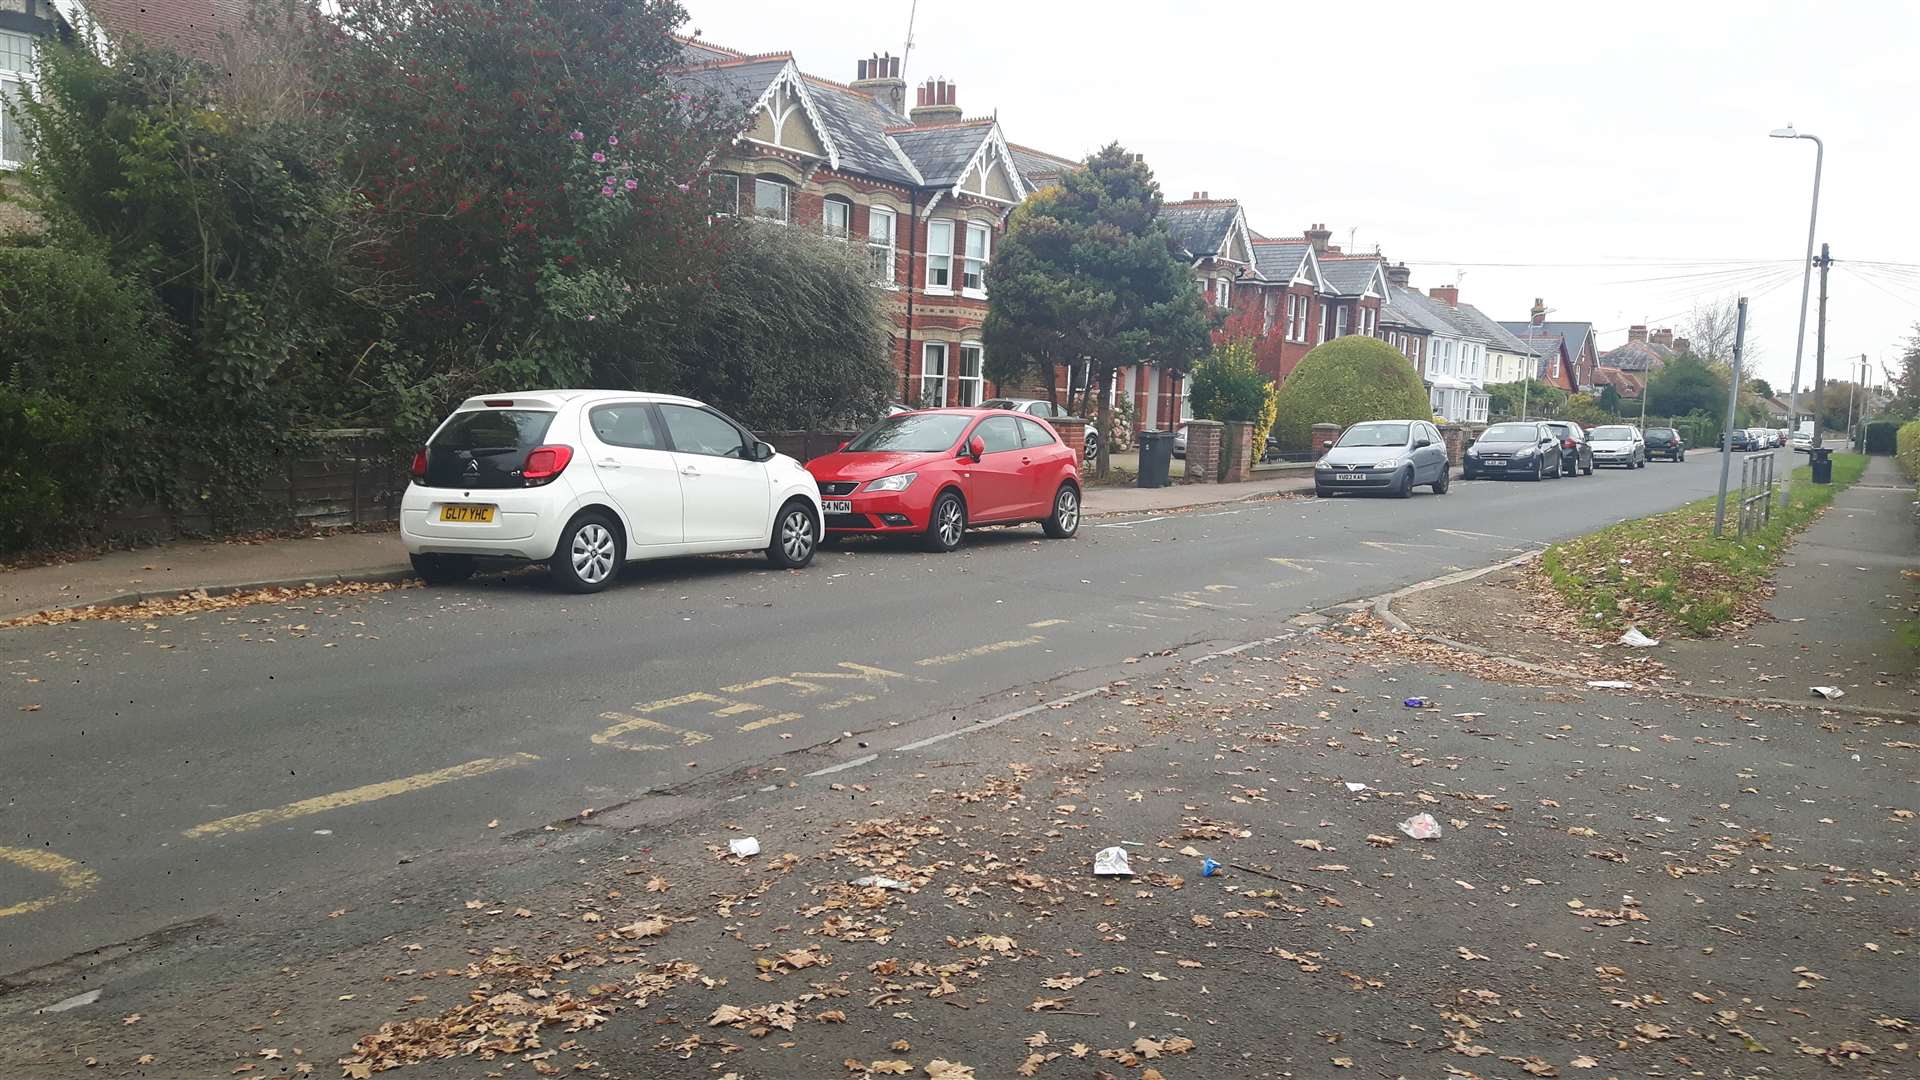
point(938, 471)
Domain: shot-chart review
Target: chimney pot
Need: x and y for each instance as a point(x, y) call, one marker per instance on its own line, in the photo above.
point(1399, 275)
point(1539, 313)
point(937, 97)
point(1636, 333)
point(1318, 237)
point(1447, 294)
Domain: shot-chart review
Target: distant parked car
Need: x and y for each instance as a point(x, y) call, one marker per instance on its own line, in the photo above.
point(1392, 456)
point(1666, 442)
point(1047, 410)
point(1526, 449)
point(938, 472)
point(1576, 456)
point(1744, 439)
point(1618, 444)
point(586, 480)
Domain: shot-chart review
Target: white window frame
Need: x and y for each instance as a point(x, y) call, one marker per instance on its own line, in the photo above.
point(973, 268)
point(971, 378)
point(1340, 321)
point(1296, 317)
point(882, 242)
point(1326, 316)
point(17, 78)
point(761, 183)
point(937, 399)
point(940, 257)
point(1267, 306)
point(1222, 293)
point(828, 206)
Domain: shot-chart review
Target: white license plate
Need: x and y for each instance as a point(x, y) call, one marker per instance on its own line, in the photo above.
point(1496, 461)
point(1350, 476)
point(837, 506)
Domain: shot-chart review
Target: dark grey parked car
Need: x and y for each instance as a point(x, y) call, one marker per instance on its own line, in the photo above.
point(1525, 448)
point(1576, 457)
point(1393, 456)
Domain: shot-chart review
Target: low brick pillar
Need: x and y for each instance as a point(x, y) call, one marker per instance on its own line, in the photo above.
point(1458, 437)
point(1239, 452)
point(1072, 432)
point(1323, 438)
point(1203, 451)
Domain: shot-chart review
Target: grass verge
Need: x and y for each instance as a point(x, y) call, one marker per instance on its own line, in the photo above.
point(1666, 573)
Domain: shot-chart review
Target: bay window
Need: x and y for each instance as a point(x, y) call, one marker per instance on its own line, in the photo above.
point(974, 270)
point(940, 256)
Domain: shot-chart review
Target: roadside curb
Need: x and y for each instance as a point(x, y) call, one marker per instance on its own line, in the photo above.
point(393, 573)
point(1382, 607)
point(1236, 500)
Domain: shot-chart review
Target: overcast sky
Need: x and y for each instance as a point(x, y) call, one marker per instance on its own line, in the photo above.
point(1613, 157)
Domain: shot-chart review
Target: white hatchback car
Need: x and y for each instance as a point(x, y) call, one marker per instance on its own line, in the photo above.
point(584, 480)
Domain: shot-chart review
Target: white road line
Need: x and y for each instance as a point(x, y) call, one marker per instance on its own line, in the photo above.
point(998, 720)
point(854, 764)
point(1129, 524)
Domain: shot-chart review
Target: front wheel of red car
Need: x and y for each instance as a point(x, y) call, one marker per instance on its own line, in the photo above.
point(947, 525)
point(1065, 519)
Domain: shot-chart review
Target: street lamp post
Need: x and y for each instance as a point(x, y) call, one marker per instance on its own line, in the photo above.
point(1806, 282)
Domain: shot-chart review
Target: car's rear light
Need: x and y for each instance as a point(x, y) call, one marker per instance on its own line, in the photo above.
point(544, 463)
point(418, 470)
point(499, 403)
point(1566, 444)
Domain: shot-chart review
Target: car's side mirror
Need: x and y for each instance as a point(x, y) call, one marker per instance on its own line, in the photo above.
point(839, 448)
point(975, 449)
point(1421, 444)
point(762, 451)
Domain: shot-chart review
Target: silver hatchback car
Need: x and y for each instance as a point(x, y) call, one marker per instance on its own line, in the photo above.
point(1389, 456)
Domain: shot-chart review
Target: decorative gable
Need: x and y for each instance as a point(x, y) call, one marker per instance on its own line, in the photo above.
point(991, 172)
point(786, 118)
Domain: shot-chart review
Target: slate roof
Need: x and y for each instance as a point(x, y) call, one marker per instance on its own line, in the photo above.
point(1200, 226)
point(857, 125)
point(1279, 261)
point(1575, 334)
point(738, 83)
point(1349, 276)
point(695, 51)
point(1037, 167)
point(1410, 307)
point(941, 153)
point(1633, 356)
point(1489, 330)
point(1544, 341)
point(1626, 383)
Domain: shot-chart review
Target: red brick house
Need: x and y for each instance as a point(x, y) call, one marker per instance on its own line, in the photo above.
point(1290, 286)
point(926, 189)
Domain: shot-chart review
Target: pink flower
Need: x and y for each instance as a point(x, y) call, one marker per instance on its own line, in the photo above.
point(633, 185)
point(684, 187)
point(578, 136)
point(599, 157)
point(606, 191)
point(613, 140)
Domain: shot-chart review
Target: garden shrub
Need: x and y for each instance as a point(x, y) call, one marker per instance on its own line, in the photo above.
point(1346, 381)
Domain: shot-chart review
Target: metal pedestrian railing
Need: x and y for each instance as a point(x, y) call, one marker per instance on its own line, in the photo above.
point(1756, 492)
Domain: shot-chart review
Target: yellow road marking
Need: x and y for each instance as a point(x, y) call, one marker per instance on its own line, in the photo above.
point(850, 699)
point(355, 796)
point(1293, 564)
point(74, 879)
point(737, 708)
point(979, 650)
point(1044, 623)
point(769, 721)
point(624, 723)
point(800, 686)
point(871, 675)
point(1220, 588)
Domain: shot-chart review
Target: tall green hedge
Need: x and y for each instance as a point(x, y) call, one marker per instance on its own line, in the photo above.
point(1880, 436)
point(83, 352)
point(1346, 381)
point(1907, 451)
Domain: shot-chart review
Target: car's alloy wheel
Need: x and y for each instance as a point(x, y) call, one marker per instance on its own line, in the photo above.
point(1090, 451)
point(589, 557)
point(795, 536)
point(1441, 485)
point(948, 525)
point(1065, 520)
point(1404, 489)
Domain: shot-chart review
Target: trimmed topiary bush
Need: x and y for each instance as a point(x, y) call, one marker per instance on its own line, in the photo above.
point(1346, 381)
point(82, 350)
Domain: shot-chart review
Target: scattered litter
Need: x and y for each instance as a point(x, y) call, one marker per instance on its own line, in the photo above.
point(1609, 684)
point(1638, 640)
point(1418, 703)
point(1112, 862)
point(744, 846)
point(1209, 868)
point(1661, 820)
point(875, 881)
point(1421, 827)
point(1831, 693)
point(1351, 786)
point(73, 1002)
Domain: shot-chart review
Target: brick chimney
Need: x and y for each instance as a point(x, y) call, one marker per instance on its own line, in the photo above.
point(936, 103)
point(1448, 294)
point(1318, 237)
point(1539, 312)
point(880, 80)
point(1663, 336)
point(1681, 344)
point(1399, 276)
point(1636, 333)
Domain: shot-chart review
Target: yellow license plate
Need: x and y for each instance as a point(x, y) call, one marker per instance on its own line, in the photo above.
point(457, 512)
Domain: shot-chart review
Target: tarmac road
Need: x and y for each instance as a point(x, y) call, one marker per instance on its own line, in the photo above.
point(182, 776)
